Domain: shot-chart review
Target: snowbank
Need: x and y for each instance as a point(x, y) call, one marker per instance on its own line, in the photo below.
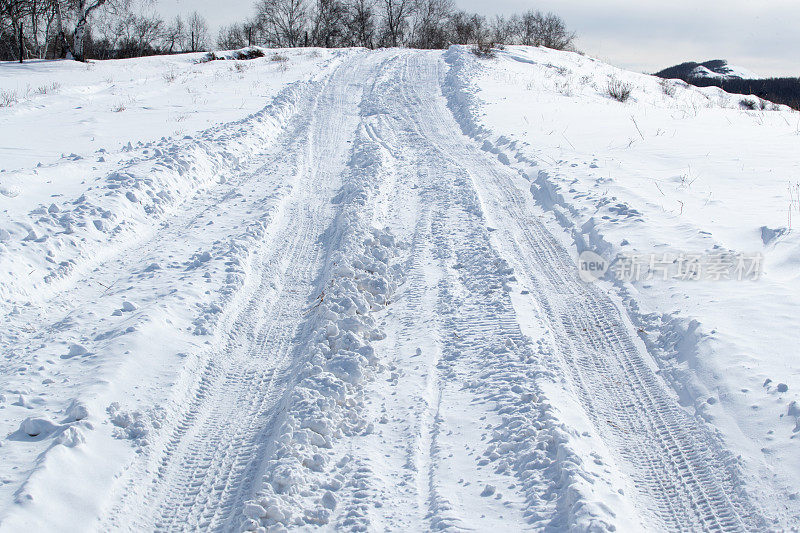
point(676, 170)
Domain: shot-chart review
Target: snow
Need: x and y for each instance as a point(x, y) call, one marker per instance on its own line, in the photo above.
point(339, 289)
point(724, 72)
point(691, 173)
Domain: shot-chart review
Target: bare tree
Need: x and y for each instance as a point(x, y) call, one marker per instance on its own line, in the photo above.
point(250, 30)
point(60, 46)
point(15, 12)
point(130, 29)
point(328, 23)
point(196, 33)
point(468, 28)
point(37, 25)
point(142, 34)
point(230, 38)
point(236, 36)
point(361, 23)
point(175, 34)
point(547, 30)
point(502, 30)
point(83, 10)
point(554, 33)
point(395, 20)
point(430, 28)
point(283, 22)
point(528, 24)
point(80, 12)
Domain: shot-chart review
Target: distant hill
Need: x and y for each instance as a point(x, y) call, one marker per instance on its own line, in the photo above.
point(736, 80)
point(714, 69)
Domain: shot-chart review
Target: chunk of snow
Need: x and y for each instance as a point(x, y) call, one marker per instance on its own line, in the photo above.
point(35, 427)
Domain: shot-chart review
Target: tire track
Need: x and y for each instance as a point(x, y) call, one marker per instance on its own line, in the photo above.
point(685, 477)
point(208, 467)
point(454, 306)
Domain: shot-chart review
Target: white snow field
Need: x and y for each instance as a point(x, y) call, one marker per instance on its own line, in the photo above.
point(340, 290)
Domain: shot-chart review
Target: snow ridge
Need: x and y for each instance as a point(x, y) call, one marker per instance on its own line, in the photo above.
point(562, 464)
point(359, 279)
point(62, 240)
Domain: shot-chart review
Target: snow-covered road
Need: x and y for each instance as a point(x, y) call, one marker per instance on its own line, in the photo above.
point(368, 325)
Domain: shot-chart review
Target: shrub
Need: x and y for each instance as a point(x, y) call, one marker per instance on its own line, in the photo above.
point(250, 53)
point(45, 89)
point(240, 67)
point(667, 87)
point(170, 75)
point(564, 87)
point(483, 50)
point(8, 98)
point(239, 55)
point(619, 90)
point(746, 103)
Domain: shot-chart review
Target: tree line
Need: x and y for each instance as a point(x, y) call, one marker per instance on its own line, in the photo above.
point(426, 24)
point(99, 29)
point(105, 29)
point(778, 90)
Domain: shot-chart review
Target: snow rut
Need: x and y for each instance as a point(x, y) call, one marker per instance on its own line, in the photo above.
point(683, 475)
point(199, 477)
point(499, 456)
point(303, 483)
point(463, 438)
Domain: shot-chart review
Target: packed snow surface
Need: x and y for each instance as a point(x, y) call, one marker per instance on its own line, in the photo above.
point(341, 290)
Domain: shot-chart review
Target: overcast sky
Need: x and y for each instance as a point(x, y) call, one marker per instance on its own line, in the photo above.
point(645, 35)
